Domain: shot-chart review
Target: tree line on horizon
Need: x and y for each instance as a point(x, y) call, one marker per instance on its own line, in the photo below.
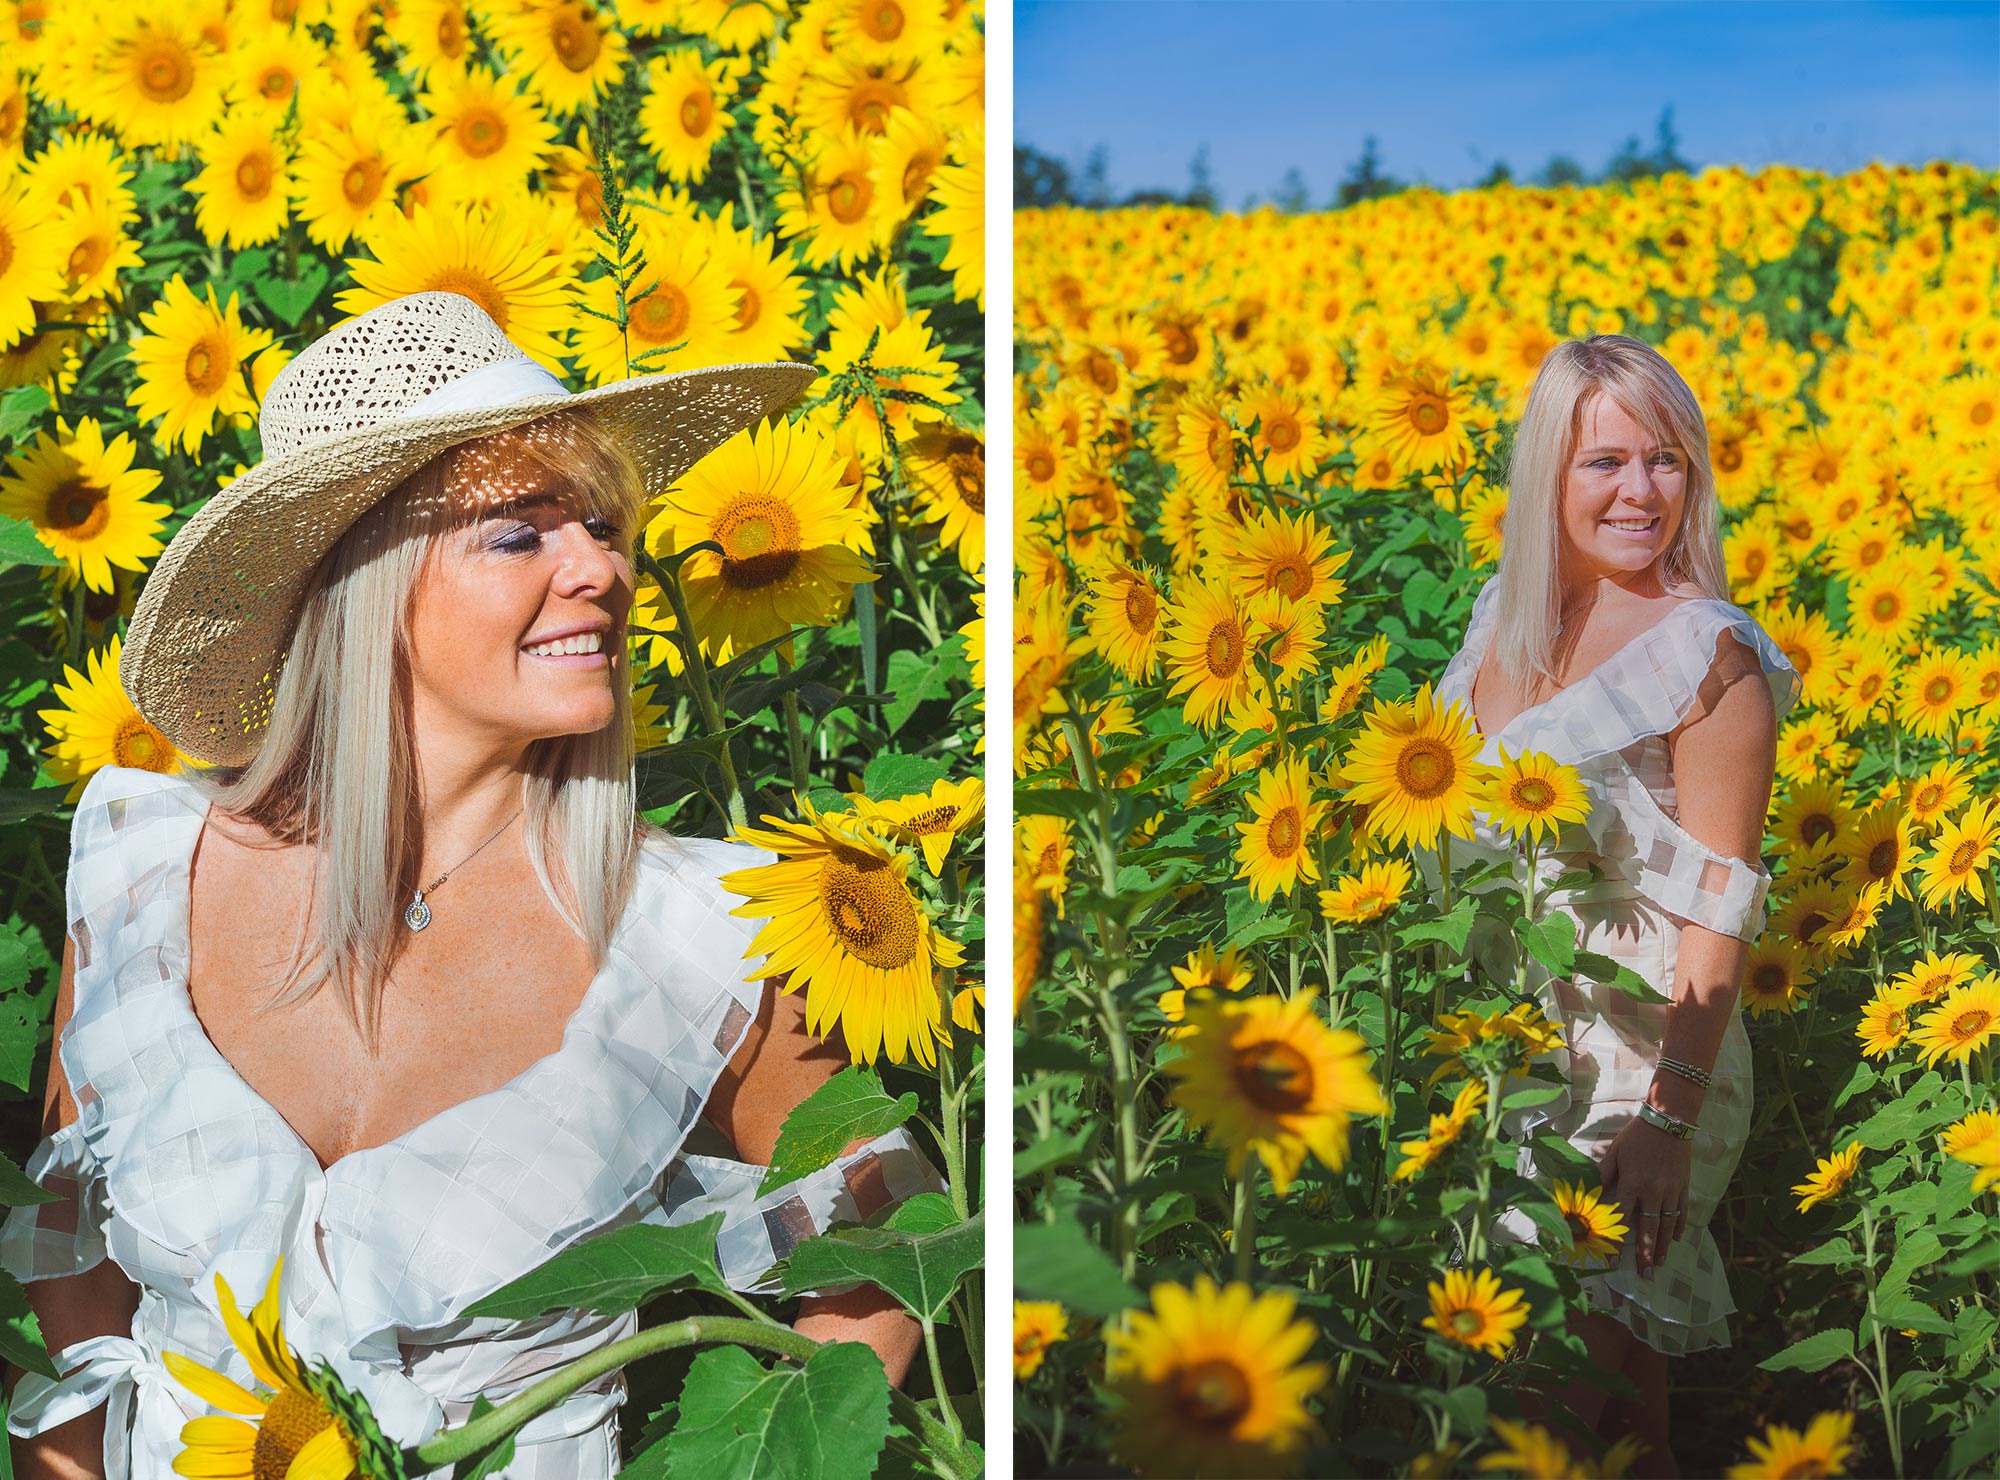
point(1045, 180)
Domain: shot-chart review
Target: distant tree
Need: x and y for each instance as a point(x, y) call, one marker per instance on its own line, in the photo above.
point(1498, 175)
point(1629, 164)
point(1096, 188)
point(1153, 198)
point(1040, 179)
point(1292, 197)
point(1667, 148)
point(1562, 170)
point(1366, 180)
point(1201, 184)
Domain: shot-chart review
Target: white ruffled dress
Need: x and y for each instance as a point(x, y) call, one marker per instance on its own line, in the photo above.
point(177, 1170)
point(1612, 726)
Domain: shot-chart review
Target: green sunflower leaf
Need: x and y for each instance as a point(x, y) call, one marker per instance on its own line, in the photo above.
point(826, 1420)
point(614, 1272)
point(918, 1256)
point(848, 1107)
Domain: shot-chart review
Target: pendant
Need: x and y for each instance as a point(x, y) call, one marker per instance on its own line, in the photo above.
point(418, 915)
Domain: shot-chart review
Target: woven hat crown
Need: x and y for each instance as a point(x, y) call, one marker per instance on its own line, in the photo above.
point(369, 371)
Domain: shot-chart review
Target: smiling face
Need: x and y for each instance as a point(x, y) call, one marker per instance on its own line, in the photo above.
point(530, 566)
point(1623, 495)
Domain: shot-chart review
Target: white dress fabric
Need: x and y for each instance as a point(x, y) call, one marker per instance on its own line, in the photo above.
point(1612, 726)
point(177, 1170)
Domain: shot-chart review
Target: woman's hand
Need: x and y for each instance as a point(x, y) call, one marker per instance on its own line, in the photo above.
point(1647, 1170)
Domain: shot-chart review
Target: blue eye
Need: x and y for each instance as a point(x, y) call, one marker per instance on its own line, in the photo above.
point(526, 537)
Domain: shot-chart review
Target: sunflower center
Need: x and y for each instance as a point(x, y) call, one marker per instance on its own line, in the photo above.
point(451, 32)
point(1882, 858)
point(205, 368)
point(164, 74)
point(761, 538)
point(1816, 826)
point(1429, 415)
point(751, 307)
point(1142, 608)
point(847, 198)
point(1533, 794)
point(476, 286)
point(1292, 578)
point(1102, 371)
point(78, 510)
point(1181, 345)
point(481, 133)
point(1282, 834)
point(883, 22)
point(1938, 690)
point(663, 315)
point(1214, 1395)
point(1425, 769)
point(1467, 1323)
point(253, 176)
point(1970, 1023)
point(292, 1419)
point(966, 466)
point(1275, 1077)
point(867, 909)
point(1769, 979)
point(697, 108)
point(362, 181)
point(1220, 452)
point(1729, 458)
point(1282, 435)
point(1982, 412)
point(1810, 925)
point(1961, 858)
point(1580, 1229)
point(136, 743)
point(1225, 649)
point(1041, 465)
point(937, 820)
point(870, 106)
point(575, 40)
point(1887, 607)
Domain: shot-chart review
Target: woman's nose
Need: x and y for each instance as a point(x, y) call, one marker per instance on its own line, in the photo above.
point(585, 564)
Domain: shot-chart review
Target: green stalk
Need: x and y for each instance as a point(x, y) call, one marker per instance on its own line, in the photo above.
point(1482, 1213)
point(795, 736)
point(1881, 1348)
point(1243, 1234)
point(704, 694)
point(490, 1428)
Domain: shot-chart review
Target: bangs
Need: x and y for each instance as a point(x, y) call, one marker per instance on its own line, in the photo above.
point(566, 454)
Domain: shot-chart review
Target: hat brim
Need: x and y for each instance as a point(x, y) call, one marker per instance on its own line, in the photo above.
point(211, 624)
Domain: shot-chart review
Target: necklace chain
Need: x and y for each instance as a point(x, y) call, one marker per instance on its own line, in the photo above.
point(418, 915)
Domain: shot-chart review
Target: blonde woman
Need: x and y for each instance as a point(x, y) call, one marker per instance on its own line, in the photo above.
point(1607, 641)
point(399, 997)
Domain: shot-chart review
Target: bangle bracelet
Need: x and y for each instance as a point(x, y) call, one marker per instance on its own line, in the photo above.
point(1685, 1070)
point(1671, 1124)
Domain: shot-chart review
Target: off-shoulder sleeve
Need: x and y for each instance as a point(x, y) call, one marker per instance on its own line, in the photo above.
point(759, 1230)
point(43, 1241)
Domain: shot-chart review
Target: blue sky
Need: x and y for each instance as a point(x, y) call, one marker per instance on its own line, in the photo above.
point(1449, 86)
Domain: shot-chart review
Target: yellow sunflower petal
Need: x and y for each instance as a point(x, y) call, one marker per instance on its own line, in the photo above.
point(327, 1455)
point(222, 1392)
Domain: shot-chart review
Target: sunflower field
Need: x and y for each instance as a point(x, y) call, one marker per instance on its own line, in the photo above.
point(193, 191)
point(1262, 1136)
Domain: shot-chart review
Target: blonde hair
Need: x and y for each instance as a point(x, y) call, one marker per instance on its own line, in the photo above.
point(337, 771)
point(1646, 386)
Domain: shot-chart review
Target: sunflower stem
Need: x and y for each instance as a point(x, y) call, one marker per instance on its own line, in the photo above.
point(1243, 1230)
point(704, 695)
point(1889, 1419)
point(490, 1428)
point(795, 737)
point(76, 643)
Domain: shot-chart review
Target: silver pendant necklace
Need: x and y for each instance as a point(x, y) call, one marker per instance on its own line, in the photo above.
point(418, 914)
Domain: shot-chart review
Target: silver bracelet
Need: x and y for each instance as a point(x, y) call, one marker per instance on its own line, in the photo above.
point(1673, 1125)
point(1686, 1070)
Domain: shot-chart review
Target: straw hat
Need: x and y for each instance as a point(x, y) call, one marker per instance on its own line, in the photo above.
point(359, 410)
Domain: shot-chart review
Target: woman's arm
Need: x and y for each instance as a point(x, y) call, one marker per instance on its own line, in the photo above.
point(99, 1302)
point(778, 1064)
point(1723, 763)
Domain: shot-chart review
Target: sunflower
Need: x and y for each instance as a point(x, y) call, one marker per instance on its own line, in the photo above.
point(1265, 1075)
point(1830, 1177)
point(1880, 852)
point(1422, 423)
point(1774, 976)
point(99, 726)
point(488, 132)
point(190, 365)
point(1964, 1021)
point(1290, 559)
point(684, 114)
point(1205, 454)
point(1417, 767)
point(1288, 442)
point(1126, 604)
point(1532, 794)
point(1044, 465)
point(1965, 846)
point(1934, 690)
point(153, 77)
point(946, 466)
point(570, 52)
point(1043, 652)
point(844, 925)
point(1473, 1311)
point(771, 497)
point(1420, 1155)
point(243, 190)
point(1933, 975)
point(1275, 852)
point(1208, 651)
point(1976, 1139)
point(934, 819)
point(686, 317)
point(1534, 1451)
point(1038, 1325)
point(960, 191)
point(1368, 895)
point(1786, 1454)
point(1205, 974)
point(1885, 1023)
point(1474, 1044)
point(296, 1433)
point(86, 501)
point(491, 257)
point(345, 180)
point(1969, 408)
point(1596, 1226)
point(1211, 1382)
point(834, 208)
